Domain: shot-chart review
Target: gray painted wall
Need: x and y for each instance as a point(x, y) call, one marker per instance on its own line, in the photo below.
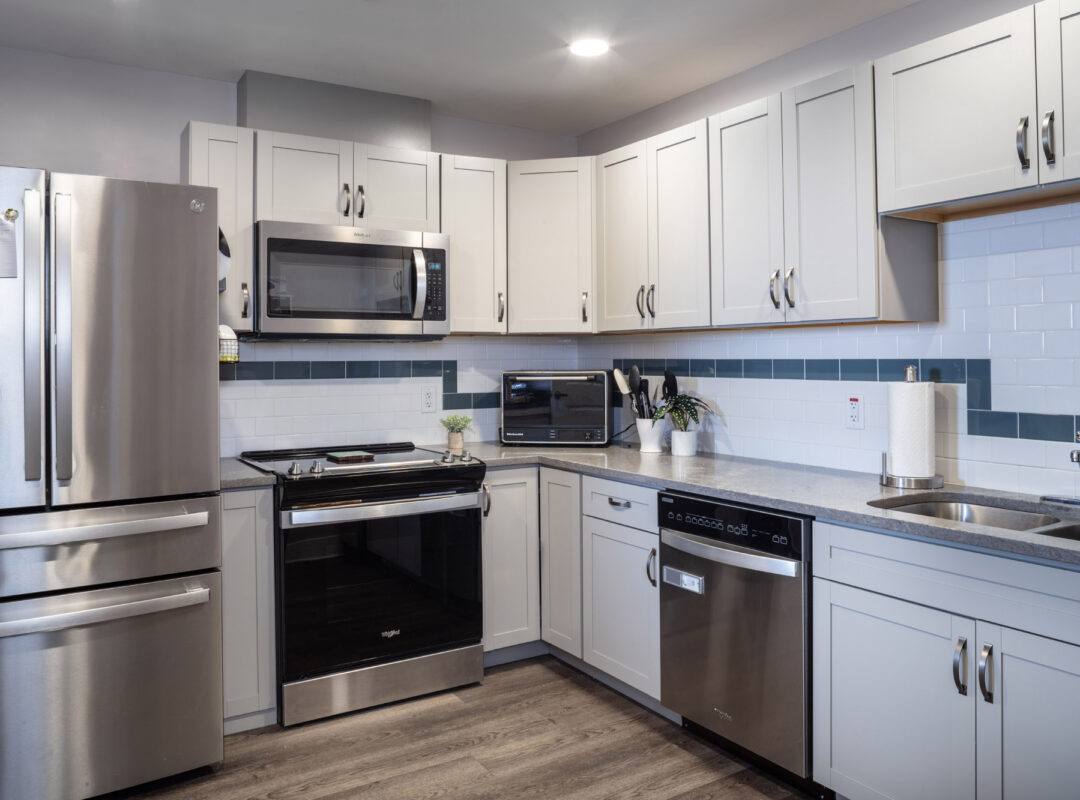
point(911, 25)
point(466, 137)
point(74, 115)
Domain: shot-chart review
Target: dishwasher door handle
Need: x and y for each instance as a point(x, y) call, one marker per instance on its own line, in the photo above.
point(720, 553)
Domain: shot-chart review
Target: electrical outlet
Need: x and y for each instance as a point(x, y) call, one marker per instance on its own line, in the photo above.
point(427, 399)
point(854, 418)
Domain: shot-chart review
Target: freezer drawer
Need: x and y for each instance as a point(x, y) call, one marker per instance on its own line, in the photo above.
point(63, 550)
point(109, 688)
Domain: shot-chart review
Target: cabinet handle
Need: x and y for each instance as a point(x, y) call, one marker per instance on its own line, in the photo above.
point(986, 664)
point(361, 201)
point(502, 306)
point(772, 288)
point(649, 300)
point(611, 501)
point(247, 300)
point(1048, 137)
point(650, 567)
point(960, 655)
point(1021, 143)
point(584, 306)
point(348, 199)
point(787, 289)
point(640, 299)
point(487, 499)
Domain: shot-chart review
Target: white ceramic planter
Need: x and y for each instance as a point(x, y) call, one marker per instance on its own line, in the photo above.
point(683, 443)
point(651, 435)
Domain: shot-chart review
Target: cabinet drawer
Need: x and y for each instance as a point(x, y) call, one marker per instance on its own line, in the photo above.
point(622, 503)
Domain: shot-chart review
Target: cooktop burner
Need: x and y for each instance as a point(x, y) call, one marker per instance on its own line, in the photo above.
point(316, 462)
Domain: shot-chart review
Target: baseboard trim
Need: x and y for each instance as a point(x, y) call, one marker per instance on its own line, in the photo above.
point(517, 652)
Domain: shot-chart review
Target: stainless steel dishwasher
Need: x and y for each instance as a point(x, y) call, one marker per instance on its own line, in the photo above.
point(734, 624)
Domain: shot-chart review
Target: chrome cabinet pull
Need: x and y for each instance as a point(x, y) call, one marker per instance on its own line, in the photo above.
point(772, 288)
point(1048, 137)
point(33, 303)
point(960, 657)
point(649, 300)
point(62, 255)
point(611, 501)
point(986, 665)
point(487, 499)
point(361, 201)
point(584, 306)
point(640, 300)
point(650, 567)
point(247, 300)
point(348, 200)
point(787, 289)
point(502, 306)
point(1021, 143)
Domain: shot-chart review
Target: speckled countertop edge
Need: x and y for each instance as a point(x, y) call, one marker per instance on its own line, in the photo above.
point(235, 474)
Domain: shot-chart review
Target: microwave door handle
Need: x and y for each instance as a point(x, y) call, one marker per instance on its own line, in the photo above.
point(575, 378)
point(420, 265)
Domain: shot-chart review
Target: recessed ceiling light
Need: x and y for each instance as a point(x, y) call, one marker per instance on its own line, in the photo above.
point(589, 47)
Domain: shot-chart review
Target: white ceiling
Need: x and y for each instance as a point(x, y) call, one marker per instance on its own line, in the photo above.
point(501, 61)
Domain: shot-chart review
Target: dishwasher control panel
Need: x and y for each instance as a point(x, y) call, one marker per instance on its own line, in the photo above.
point(770, 532)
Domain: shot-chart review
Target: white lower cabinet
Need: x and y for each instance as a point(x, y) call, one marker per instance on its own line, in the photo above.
point(247, 608)
point(560, 559)
point(511, 559)
point(621, 603)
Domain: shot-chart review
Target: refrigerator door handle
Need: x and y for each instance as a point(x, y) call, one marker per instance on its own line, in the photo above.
point(62, 251)
point(33, 357)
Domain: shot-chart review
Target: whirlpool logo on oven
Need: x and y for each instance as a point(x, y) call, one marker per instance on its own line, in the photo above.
point(390, 634)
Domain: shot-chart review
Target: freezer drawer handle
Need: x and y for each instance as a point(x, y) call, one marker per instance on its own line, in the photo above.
point(712, 550)
point(73, 619)
point(102, 530)
point(399, 508)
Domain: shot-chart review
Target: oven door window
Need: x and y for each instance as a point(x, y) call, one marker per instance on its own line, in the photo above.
point(331, 280)
point(560, 404)
point(357, 593)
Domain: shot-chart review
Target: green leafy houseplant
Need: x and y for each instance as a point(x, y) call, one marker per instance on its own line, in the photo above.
point(683, 409)
point(456, 423)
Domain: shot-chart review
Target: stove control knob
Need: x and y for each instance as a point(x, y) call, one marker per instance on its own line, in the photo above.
point(466, 456)
point(317, 467)
point(447, 457)
point(294, 469)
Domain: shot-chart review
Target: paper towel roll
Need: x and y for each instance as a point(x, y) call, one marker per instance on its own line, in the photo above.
point(911, 430)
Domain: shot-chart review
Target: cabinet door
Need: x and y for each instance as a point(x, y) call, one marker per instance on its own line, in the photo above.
point(474, 215)
point(951, 115)
point(678, 162)
point(830, 224)
point(746, 208)
point(247, 601)
point(511, 559)
point(622, 213)
point(303, 179)
point(560, 559)
point(551, 252)
point(223, 156)
point(621, 603)
point(396, 189)
point(1028, 717)
point(889, 718)
point(1057, 53)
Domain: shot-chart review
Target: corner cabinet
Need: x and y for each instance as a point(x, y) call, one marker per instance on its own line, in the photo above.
point(551, 253)
point(223, 156)
point(1057, 61)
point(511, 558)
point(560, 559)
point(247, 608)
point(474, 216)
point(622, 221)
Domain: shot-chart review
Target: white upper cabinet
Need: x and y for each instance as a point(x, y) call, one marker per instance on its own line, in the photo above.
point(622, 217)
point(474, 215)
point(223, 156)
point(746, 206)
point(551, 253)
point(1057, 38)
point(396, 189)
point(830, 219)
point(957, 117)
point(303, 179)
point(678, 177)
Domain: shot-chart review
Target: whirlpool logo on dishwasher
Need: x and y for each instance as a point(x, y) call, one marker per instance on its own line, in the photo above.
point(390, 634)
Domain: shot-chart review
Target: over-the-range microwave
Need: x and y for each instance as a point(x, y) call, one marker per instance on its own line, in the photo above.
point(325, 281)
point(556, 407)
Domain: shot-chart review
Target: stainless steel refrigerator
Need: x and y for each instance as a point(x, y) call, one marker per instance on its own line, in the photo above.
point(110, 620)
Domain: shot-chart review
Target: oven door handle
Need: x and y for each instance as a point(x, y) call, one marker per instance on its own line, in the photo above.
point(719, 553)
point(397, 508)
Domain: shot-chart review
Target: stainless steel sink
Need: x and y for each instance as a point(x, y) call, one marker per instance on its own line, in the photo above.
point(978, 514)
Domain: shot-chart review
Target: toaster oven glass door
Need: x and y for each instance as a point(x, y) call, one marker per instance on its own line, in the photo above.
point(548, 403)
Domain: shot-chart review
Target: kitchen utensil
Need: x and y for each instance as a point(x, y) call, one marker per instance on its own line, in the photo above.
point(624, 388)
point(635, 390)
point(646, 403)
point(671, 384)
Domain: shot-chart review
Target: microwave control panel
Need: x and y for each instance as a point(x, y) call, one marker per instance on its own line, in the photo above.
point(435, 308)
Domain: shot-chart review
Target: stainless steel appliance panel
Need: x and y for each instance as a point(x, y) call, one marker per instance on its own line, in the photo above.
point(135, 404)
point(22, 337)
point(109, 688)
point(63, 550)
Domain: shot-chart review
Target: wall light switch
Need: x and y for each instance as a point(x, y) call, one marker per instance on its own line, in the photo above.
point(427, 399)
point(854, 418)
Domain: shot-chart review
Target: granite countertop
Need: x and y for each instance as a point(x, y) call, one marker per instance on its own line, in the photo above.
point(235, 474)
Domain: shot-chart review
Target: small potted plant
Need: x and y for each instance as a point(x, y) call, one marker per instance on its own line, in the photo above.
point(682, 409)
point(456, 425)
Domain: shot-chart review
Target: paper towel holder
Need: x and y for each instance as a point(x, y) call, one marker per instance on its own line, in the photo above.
point(897, 482)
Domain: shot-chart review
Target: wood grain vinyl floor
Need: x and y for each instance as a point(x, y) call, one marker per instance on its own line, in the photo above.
point(534, 729)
